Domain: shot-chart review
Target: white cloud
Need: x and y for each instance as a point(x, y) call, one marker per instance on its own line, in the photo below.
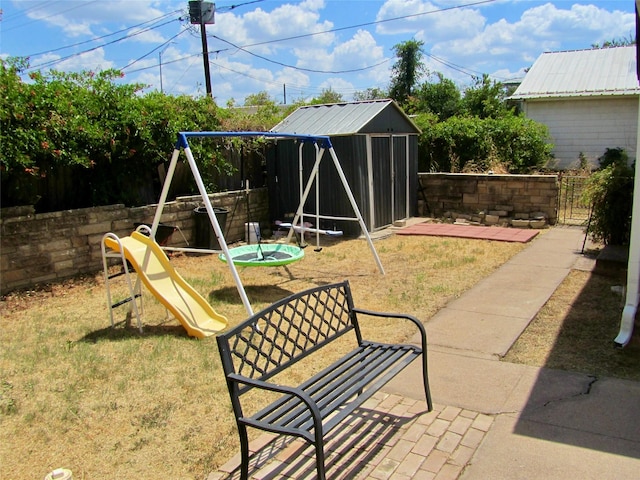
point(78, 17)
point(359, 52)
point(90, 61)
point(519, 43)
point(146, 36)
point(338, 84)
point(283, 22)
point(430, 27)
point(500, 38)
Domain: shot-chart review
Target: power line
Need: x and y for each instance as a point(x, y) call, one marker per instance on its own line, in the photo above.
point(333, 30)
point(231, 7)
point(62, 59)
point(245, 47)
point(367, 24)
point(155, 49)
point(20, 13)
point(95, 39)
point(50, 15)
point(296, 37)
point(354, 70)
point(176, 60)
point(453, 66)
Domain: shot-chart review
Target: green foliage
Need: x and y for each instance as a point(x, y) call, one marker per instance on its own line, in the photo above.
point(475, 132)
point(610, 192)
point(441, 98)
point(260, 98)
point(583, 162)
point(614, 156)
point(370, 94)
point(486, 99)
point(466, 144)
point(328, 95)
point(615, 42)
point(407, 70)
point(81, 139)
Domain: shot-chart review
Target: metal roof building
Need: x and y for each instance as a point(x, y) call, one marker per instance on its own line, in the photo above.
point(339, 119)
point(579, 73)
point(587, 98)
point(377, 146)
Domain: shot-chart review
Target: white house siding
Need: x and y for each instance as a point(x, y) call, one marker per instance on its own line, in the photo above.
point(586, 124)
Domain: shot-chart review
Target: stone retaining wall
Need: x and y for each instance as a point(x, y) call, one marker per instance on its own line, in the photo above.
point(521, 200)
point(49, 247)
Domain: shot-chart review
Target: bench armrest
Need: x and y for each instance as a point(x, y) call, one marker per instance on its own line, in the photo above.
point(285, 389)
point(423, 338)
point(403, 316)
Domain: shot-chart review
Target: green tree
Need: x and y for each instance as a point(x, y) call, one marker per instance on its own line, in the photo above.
point(407, 70)
point(260, 98)
point(328, 95)
point(441, 97)
point(615, 42)
point(373, 93)
point(485, 99)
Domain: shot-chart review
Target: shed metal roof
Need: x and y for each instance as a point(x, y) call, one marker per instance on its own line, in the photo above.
point(577, 73)
point(339, 118)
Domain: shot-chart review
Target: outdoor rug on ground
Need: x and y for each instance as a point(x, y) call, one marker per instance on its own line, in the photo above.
point(502, 234)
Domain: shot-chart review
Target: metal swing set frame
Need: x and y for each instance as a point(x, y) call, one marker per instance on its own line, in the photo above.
point(321, 144)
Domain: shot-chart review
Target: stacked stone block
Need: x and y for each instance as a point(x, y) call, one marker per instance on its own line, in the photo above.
point(49, 247)
point(523, 201)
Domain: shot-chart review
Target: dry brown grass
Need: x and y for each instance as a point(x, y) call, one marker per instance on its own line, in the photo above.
point(113, 403)
point(575, 331)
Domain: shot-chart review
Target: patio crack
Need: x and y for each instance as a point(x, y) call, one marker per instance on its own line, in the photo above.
point(585, 391)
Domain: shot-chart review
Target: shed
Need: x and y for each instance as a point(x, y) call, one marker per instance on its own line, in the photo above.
point(587, 98)
point(376, 144)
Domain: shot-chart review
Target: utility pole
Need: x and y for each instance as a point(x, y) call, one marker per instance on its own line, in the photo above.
point(160, 63)
point(202, 13)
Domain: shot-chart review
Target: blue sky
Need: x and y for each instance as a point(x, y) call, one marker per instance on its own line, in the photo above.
point(299, 48)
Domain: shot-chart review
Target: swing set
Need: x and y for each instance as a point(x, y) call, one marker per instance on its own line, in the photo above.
point(261, 254)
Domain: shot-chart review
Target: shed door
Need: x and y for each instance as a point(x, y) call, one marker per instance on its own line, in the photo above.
point(390, 179)
point(400, 162)
point(381, 176)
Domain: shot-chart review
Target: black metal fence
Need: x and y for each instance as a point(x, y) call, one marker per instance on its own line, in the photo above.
point(572, 209)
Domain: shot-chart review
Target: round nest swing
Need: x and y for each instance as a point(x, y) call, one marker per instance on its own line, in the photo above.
point(264, 255)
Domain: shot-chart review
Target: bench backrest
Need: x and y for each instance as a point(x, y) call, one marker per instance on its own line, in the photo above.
point(287, 331)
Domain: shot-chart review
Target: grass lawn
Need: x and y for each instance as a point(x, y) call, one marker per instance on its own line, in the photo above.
point(113, 403)
point(575, 330)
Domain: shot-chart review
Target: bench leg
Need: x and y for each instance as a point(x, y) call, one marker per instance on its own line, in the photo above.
point(244, 450)
point(425, 380)
point(320, 461)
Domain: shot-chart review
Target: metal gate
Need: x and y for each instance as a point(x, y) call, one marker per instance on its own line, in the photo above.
point(572, 210)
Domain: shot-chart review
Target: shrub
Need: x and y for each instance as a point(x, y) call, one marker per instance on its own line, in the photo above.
point(71, 140)
point(458, 144)
point(610, 192)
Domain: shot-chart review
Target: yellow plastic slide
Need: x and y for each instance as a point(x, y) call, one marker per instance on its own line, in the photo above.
point(165, 283)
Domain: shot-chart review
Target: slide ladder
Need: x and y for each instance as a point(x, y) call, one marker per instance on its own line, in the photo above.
point(158, 275)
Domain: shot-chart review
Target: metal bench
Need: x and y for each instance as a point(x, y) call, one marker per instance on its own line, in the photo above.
point(291, 329)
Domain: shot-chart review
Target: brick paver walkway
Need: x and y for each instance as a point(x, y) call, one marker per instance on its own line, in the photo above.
point(389, 437)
